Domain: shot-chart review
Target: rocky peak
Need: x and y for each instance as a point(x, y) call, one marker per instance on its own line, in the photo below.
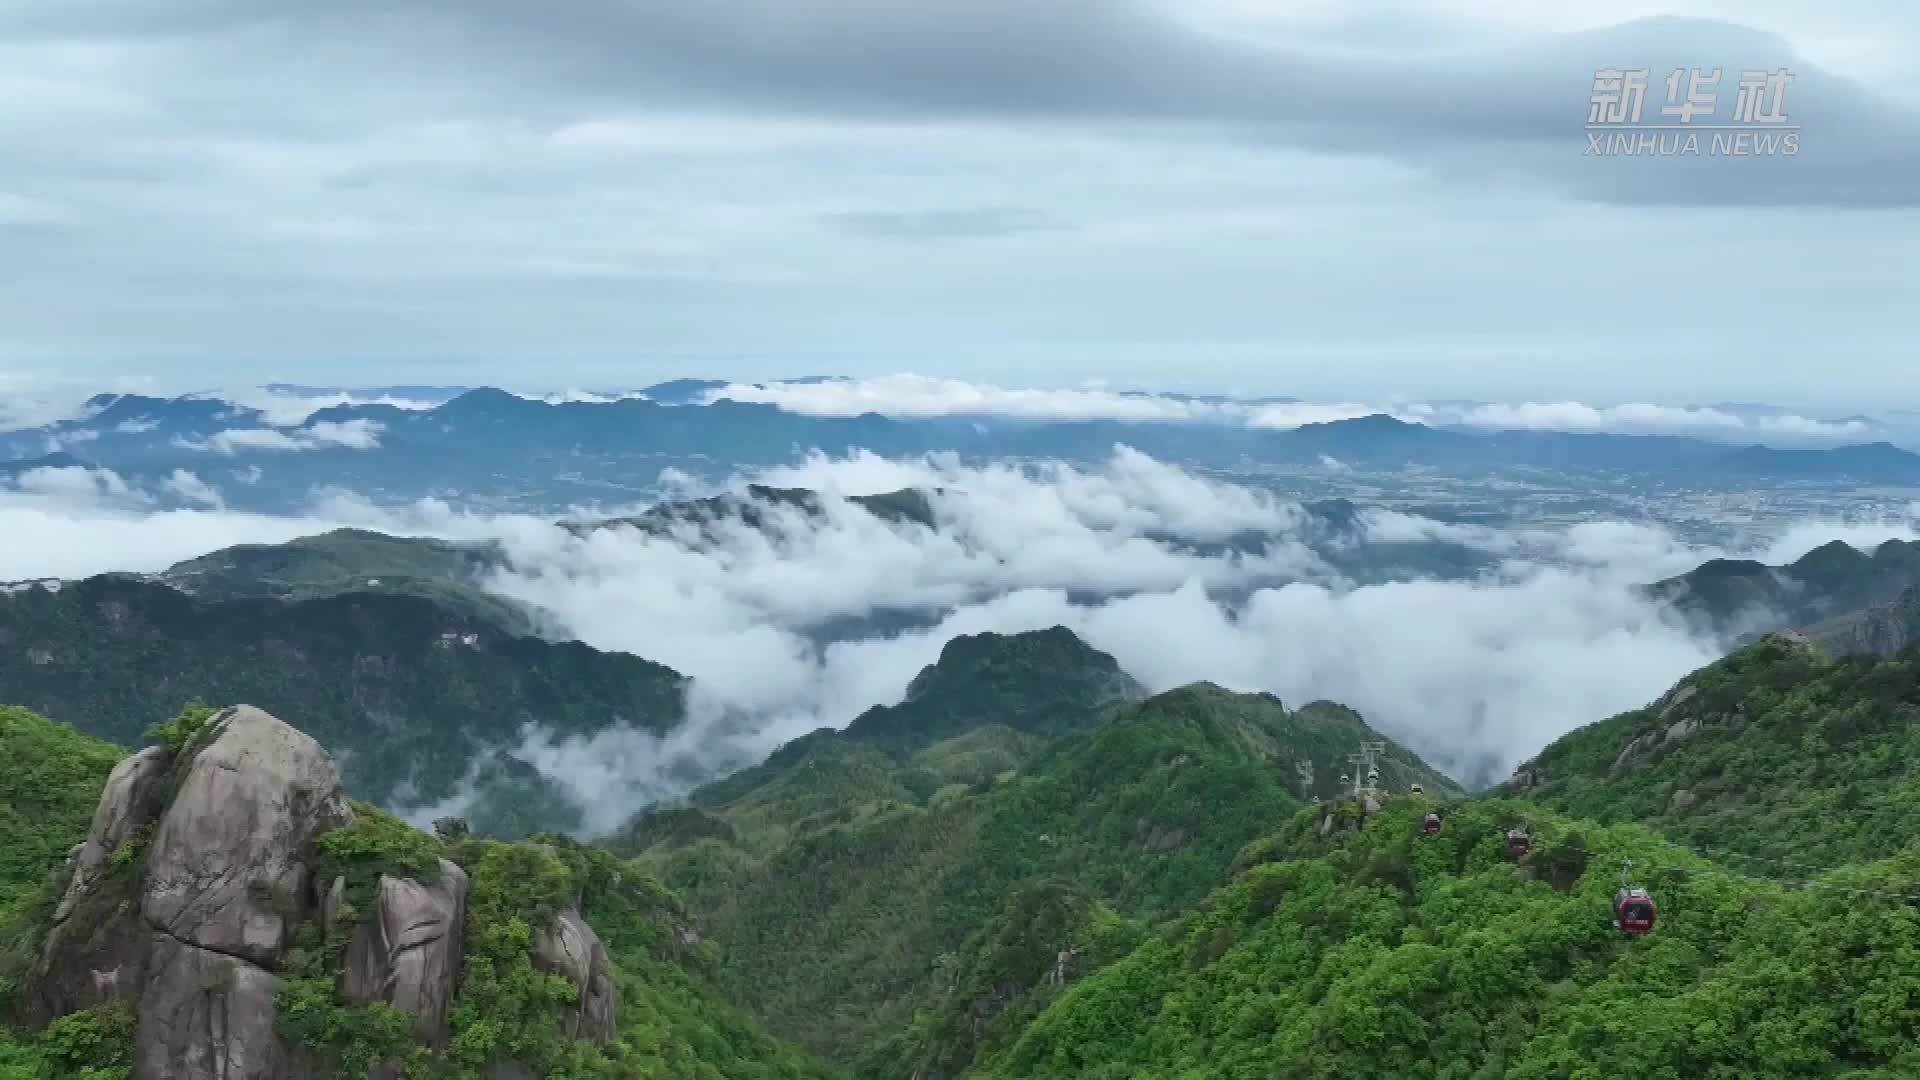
point(1883, 630)
point(227, 868)
point(201, 866)
point(1040, 681)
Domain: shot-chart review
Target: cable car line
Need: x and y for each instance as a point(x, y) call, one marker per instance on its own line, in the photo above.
point(1710, 854)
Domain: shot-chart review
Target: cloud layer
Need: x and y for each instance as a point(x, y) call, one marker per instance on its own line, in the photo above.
point(1476, 675)
point(358, 434)
point(915, 395)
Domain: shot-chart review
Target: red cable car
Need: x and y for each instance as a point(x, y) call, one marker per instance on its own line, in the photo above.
point(1633, 910)
point(1518, 843)
point(1431, 824)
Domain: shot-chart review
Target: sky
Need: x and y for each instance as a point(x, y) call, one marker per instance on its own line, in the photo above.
point(1332, 199)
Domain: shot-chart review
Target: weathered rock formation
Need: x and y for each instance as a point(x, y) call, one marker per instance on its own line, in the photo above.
point(1884, 630)
point(93, 955)
point(408, 950)
point(568, 947)
point(227, 870)
point(183, 897)
point(183, 903)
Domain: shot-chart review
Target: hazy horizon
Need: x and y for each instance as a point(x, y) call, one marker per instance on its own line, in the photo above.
point(1330, 201)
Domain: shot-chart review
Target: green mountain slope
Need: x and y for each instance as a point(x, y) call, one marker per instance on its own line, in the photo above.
point(407, 695)
point(838, 875)
point(997, 695)
point(49, 784)
point(1775, 751)
point(1741, 596)
point(1384, 953)
point(672, 1025)
point(353, 560)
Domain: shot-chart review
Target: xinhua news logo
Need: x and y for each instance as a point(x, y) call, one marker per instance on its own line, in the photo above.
point(1689, 123)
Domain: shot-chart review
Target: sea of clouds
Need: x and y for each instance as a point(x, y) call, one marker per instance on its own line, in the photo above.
point(1474, 675)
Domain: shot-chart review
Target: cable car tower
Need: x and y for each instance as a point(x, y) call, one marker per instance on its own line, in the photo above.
point(1366, 774)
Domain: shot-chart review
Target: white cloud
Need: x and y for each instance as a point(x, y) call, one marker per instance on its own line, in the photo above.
point(913, 395)
point(910, 394)
point(1803, 537)
point(282, 409)
point(74, 484)
point(30, 399)
point(72, 487)
point(1645, 418)
point(193, 489)
point(358, 434)
point(569, 397)
point(1477, 675)
point(69, 439)
point(72, 523)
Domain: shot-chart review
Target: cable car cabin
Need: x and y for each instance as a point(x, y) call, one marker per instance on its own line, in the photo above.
point(1633, 911)
point(1416, 789)
point(1518, 843)
point(1431, 824)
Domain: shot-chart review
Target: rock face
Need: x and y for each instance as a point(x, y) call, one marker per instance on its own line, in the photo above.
point(126, 805)
point(409, 949)
point(183, 901)
point(569, 947)
point(1885, 630)
point(187, 928)
point(93, 953)
point(226, 870)
point(206, 1014)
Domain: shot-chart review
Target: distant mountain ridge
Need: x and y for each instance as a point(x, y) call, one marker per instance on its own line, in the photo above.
point(1742, 597)
point(412, 697)
point(489, 443)
point(356, 560)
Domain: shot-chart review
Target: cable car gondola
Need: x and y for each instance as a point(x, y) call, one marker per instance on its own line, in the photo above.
point(1632, 905)
point(1431, 825)
point(1518, 843)
point(1633, 910)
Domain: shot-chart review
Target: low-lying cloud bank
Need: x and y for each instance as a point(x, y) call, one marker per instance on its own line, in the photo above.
point(359, 434)
point(919, 395)
point(1474, 674)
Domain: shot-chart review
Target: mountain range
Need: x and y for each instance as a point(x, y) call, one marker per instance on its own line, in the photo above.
point(1742, 597)
point(491, 445)
point(851, 858)
point(1027, 868)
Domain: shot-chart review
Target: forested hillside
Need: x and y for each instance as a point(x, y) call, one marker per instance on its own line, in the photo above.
point(848, 880)
point(1386, 952)
point(409, 695)
point(356, 560)
point(1774, 752)
point(1152, 896)
point(1030, 869)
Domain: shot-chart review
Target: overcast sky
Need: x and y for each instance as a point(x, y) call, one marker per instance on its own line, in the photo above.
point(1334, 199)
